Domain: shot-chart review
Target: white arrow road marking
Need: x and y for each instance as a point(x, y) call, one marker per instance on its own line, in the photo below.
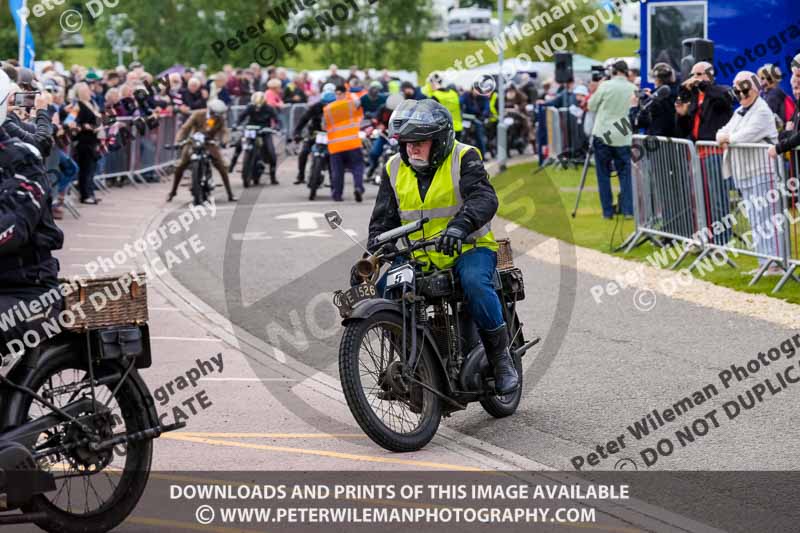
point(305, 219)
point(251, 236)
point(300, 234)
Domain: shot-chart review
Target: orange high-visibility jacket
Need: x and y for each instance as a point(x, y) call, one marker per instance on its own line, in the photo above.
point(343, 122)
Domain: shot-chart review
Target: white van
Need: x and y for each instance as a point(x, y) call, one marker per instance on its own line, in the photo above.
point(470, 23)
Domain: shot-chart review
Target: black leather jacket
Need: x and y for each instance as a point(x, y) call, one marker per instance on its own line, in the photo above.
point(480, 199)
point(264, 115)
point(28, 233)
point(39, 134)
point(312, 115)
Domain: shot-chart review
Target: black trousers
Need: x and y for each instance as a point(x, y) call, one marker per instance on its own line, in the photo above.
point(18, 327)
point(302, 158)
point(87, 166)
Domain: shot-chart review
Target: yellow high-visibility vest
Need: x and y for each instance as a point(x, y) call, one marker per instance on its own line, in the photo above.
point(442, 202)
point(450, 100)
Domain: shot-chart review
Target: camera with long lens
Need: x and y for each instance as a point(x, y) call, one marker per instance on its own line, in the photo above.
point(599, 72)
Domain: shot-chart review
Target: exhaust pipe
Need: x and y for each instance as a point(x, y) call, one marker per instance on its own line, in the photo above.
point(519, 352)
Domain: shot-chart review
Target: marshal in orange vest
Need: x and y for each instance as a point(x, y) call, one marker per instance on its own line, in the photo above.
point(343, 122)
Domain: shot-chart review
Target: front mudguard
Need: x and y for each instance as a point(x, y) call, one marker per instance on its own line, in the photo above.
point(367, 308)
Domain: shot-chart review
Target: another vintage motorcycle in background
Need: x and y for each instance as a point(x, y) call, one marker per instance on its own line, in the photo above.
point(412, 354)
point(77, 421)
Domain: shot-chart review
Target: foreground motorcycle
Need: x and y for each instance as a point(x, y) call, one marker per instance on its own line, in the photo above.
point(412, 354)
point(253, 138)
point(320, 163)
point(202, 180)
point(78, 422)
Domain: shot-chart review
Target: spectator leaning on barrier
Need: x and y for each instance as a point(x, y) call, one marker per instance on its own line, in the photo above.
point(612, 139)
point(753, 173)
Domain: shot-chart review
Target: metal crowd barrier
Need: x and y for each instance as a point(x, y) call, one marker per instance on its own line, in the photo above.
point(136, 154)
point(566, 139)
point(713, 200)
point(555, 138)
point(665, 174)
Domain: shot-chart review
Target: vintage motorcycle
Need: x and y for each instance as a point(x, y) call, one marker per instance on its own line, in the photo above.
point(77, 427)
point(252, 139)
point(320, 163)
point(412, 354)
point(202, 180)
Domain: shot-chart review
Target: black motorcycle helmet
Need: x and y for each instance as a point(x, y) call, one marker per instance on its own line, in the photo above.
point(420, 120)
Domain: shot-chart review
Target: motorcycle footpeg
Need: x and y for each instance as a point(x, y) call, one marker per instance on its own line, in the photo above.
point(173, 427)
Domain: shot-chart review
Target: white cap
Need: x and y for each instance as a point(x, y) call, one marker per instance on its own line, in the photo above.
point(582, 90)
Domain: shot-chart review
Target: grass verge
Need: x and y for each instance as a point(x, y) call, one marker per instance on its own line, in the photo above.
point(554, 192)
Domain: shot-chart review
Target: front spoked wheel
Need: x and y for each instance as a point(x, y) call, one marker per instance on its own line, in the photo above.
point(392, 410)
point(95, 489)
point(506, 405)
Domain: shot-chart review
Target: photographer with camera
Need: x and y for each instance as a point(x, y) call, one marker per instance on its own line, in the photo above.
point(611, 104)
point(702, 109)
point(654, 111)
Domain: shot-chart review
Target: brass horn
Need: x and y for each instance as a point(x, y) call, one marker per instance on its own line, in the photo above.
point(366, 269)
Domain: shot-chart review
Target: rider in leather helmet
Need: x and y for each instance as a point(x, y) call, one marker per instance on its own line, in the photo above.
point(435, 176)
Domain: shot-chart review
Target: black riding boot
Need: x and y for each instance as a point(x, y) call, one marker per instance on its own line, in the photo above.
point(495, 342)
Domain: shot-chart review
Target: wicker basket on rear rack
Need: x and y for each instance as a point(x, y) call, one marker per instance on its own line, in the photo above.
point(505, 257)
point(104, 302)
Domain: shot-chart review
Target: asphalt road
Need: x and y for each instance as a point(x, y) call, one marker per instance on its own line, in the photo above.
point(271, 264)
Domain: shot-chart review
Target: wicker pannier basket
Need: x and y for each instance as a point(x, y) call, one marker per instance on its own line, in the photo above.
point(505, 257)
point(104, 302)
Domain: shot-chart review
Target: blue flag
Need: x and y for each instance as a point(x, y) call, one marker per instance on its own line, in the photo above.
point(30, 52)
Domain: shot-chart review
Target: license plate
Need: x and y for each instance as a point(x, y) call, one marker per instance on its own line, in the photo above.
point(466, 124)
point(352, 296)
point(399, 276)
point(250, 134)
point(322, 138)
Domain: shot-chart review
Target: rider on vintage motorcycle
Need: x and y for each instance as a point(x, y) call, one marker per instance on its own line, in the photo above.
point(212, 123)
point(28, 233)
point(436, 177)
point(260, 113)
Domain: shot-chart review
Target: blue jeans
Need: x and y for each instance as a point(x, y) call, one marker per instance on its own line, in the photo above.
point(480, 136)
point(377, 150)
point(67, 171)
point(621, 156)
point(475, 269)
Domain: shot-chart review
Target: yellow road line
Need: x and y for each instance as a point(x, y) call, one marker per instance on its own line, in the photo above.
point(322, 453)
point(272, 435)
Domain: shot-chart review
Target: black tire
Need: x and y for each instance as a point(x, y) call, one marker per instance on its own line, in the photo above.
point(198, 192)
point(503, 406)
point(132, 409)
point(248, 168)
point(362, 409)
point(315, 178)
